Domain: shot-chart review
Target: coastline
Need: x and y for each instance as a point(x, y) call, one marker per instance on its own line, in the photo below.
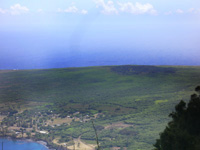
point(44, 143)
point(41, 142)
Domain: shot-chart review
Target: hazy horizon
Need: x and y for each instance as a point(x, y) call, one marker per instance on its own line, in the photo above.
point(59, 34)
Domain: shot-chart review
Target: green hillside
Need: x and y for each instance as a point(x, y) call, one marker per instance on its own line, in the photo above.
point(129, 104)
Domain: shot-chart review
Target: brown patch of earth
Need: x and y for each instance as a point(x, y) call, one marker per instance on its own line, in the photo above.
point(117, 125)
point(80, 145)
point(59, 121)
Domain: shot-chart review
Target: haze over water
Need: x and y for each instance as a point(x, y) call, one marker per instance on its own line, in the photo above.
point(20, 50)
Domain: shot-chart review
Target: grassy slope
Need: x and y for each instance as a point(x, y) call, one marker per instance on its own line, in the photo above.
point(145, 98)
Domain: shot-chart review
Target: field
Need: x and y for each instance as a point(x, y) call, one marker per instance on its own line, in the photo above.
point(129, 104)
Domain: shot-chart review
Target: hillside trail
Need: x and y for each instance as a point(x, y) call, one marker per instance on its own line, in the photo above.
point(117, 125)
point(80, 145)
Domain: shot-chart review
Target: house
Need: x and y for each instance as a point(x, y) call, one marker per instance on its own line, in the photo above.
point(43, 132)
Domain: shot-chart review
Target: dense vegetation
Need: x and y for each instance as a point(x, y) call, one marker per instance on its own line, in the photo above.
point(129, 104)
point(183, 132)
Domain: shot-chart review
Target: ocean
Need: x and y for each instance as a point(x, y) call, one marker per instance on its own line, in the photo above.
point(9, 144)
point(39, 50)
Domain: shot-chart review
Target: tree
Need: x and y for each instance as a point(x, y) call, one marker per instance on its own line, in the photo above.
point(28, 134)
point(183, 132)
point(22, 131)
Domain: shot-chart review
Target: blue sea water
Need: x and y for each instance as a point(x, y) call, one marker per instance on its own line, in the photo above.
point(9, 144)
point(43, 50)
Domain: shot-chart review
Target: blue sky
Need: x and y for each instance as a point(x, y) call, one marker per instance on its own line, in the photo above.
point(133, 31)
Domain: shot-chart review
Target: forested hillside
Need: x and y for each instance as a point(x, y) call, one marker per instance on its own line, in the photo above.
point(183, 132)
point(128, 104)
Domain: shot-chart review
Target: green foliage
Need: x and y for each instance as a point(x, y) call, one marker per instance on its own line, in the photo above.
point(64, 138)
point(12, 112)
point(130, 70)
point(183, 132)
point(160, 101)
point(140, 96)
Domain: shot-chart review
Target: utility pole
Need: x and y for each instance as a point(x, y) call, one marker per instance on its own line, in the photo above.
point(2, 145)
point(97, 140)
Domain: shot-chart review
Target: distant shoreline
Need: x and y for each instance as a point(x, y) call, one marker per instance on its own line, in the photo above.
point(41, 142)
point(91, 66)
